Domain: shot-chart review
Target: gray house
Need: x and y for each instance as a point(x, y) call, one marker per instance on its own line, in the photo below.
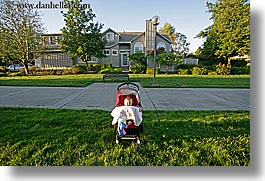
point(117, 50)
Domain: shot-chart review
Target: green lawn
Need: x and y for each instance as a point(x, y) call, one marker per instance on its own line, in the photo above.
point(85, 137)
point(82, 80)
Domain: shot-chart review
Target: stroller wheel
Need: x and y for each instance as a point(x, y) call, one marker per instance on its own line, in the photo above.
point(117, 142)
point(138, 142)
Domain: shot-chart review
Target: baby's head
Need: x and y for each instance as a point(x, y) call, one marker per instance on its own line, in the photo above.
point(128, 101)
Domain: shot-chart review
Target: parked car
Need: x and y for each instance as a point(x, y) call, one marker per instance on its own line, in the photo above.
point(16, 67)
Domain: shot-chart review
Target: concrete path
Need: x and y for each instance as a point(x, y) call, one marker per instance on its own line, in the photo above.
point(102, 96)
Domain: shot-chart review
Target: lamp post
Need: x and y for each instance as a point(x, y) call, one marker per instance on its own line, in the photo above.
point(155, 22)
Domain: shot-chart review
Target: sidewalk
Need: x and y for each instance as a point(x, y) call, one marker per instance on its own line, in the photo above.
point(102, 96)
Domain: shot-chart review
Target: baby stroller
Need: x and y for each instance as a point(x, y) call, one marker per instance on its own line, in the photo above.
point(130, 127)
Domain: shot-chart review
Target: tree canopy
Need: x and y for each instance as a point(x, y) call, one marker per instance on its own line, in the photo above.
point(81, 36)
point(20, 32)
point(179, 45)
point(229, 35)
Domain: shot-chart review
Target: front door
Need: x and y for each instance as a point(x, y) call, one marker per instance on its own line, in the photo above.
point(124, 59)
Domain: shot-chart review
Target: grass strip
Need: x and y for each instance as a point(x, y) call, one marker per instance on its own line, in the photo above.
point(56, 137)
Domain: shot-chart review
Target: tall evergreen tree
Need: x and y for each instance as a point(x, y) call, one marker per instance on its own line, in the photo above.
point(81, 36)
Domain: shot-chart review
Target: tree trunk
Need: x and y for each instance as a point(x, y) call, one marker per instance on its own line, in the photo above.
point(26, 67)
point(86, 66)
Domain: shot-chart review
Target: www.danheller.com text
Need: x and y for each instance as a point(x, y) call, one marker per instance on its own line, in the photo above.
point(51, 5)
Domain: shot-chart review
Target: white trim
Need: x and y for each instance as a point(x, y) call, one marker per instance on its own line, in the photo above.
point(124, 53)
point(137, 43)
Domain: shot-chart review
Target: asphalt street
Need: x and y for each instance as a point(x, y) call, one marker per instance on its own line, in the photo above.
point(102, 96)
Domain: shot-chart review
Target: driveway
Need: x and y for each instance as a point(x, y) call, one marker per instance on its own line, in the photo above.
point(102, 96)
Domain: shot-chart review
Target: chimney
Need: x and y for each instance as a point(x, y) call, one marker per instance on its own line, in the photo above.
point(149, 35)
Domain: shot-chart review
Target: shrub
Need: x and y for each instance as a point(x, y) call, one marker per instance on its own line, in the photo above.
point(67, 71)
point(212, 73)
point(183, 72)
point(222, 69)
point(138, 69)
point(199, 71)
point(238, 63)
point(78, 69)
point(151, 70)
point(137, 63)
point(240, 70)
point(16, 74)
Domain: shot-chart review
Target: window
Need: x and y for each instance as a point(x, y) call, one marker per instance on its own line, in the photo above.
point(124, 59)
point(161, 45)
point(106, 52)
point(110, 36)
point(115, 52)
point(138, 47)
point(54, 40)
point(93, 59)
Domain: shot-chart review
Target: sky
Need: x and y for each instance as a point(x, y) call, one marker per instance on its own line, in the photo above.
point(189, 17)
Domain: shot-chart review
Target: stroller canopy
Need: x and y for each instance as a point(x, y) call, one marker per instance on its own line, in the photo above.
point(122, 93)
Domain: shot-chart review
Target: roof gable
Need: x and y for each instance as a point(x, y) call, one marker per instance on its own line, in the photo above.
point(164, 36)
point(109, 30)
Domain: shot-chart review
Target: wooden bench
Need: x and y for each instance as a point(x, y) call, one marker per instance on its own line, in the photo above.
point(116, 75)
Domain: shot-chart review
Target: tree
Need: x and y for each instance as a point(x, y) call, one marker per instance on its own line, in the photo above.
point(20, 32)
point(138, 62)
point(179, 45)
point(81, 37)
point(170, 31)
point(229, 35)
point(169, 59)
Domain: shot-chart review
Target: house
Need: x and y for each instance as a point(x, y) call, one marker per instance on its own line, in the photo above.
point(117, 49)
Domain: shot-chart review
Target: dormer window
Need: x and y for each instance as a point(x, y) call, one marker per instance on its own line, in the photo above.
point(110, 36)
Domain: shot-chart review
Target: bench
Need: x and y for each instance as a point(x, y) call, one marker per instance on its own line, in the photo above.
point(116, 75)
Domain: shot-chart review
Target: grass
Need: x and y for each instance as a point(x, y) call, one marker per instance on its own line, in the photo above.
point(31, 136)
point(174, 81)
point(203, 81)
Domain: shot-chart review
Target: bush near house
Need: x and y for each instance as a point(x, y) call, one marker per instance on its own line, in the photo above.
point(218, 69)
point(199, 71)
point(151, 70)
point(76, 69)
point(240, 70)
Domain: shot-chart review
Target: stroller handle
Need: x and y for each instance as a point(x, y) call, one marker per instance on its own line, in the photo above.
point(128, 83)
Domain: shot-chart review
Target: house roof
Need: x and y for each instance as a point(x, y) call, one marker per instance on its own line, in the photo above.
point(129, 36)
point(164, 36)
point(111, 44)
point(108, 30)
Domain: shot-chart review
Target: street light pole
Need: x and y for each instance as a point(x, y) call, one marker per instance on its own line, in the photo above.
point(155, 21)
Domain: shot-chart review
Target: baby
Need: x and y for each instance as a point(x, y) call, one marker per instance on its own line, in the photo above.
point(128, 101)
point(126, 115)
point(124, 118)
